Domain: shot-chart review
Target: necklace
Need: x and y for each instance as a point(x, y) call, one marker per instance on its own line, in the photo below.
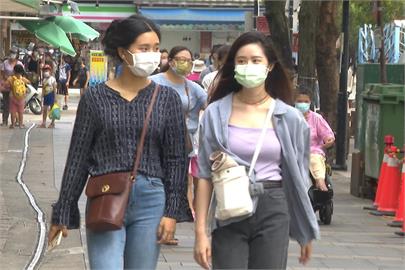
point(259, 102)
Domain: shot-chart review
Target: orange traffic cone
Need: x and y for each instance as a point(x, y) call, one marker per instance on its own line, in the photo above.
point(388, 203)
point(381, 180)
point(399, 214)
point(389, 141)
point(402, 233)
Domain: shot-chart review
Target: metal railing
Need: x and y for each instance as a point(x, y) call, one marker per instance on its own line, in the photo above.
point(394, 43)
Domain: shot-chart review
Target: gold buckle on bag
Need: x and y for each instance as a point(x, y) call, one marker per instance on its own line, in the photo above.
point(105, 188)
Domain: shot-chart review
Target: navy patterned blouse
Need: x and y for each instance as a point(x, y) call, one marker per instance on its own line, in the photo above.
point(104, 140)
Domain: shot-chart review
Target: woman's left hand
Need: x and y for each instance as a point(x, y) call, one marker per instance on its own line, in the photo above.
point(167, 228)
point(306, 252)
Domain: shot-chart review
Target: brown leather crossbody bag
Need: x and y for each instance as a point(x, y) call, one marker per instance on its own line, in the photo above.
point(108, 194)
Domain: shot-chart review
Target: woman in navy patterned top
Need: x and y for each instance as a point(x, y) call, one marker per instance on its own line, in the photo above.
point(108, 125)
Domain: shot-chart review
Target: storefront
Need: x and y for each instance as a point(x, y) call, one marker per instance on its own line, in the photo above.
point(197, 29)
point(16, 8)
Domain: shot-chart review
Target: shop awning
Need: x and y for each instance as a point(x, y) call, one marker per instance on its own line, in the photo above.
point(7, 6)
point(30, 3)
point(190, 16)
point(203, 27)
point(105, 13)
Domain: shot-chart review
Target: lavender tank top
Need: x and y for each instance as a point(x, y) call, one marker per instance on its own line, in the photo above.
point(242, 142)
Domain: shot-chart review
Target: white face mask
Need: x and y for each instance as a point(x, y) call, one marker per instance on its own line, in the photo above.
point(144, 63)
point(47, 74)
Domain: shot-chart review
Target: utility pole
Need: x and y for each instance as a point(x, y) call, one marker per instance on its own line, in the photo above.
point(291, 19)
point(380, 24)
point(341, 136)
point(256, 8)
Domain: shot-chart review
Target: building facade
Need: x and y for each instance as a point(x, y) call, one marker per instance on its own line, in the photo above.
point(197, 25)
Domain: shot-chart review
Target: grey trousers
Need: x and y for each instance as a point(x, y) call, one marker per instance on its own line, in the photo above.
point(258, 242)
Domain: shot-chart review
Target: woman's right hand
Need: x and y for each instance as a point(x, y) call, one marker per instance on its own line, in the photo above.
point(321, 184)
point(53, 231)
point(202, 251)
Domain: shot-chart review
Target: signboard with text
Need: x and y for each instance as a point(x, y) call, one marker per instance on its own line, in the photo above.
point(98, 67)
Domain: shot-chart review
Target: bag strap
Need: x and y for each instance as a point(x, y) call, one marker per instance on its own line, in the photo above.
point(187, 90)
point(139, 148)
point(262, 135)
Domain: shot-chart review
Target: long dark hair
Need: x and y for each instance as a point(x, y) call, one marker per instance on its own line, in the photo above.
point(277, 83)
point(122, 33)
point(173, 52)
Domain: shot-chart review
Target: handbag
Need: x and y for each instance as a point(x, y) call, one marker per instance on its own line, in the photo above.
point(108, 194)
point(232, 182)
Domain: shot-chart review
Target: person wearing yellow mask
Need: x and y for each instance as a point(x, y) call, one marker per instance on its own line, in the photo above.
point(193, 98)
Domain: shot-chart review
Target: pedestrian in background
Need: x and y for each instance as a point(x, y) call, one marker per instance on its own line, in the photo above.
point(193, 98)
point(49, 87)
point(83, 77)
point(251, 80)
point(7, 70)
point(17, 83)
point(208, 80)
point(322, 138)
point(212, 62)
point(198, 67)
point(33, 68)
point(164, 58)
point(63, 80)
point(49, 60)
point(109, 122)
point(164, 54)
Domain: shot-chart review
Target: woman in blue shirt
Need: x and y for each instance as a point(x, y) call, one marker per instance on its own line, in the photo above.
point(193, 98)
point(251, 80)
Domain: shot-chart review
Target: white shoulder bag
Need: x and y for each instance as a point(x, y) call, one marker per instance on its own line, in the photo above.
point(231, 182)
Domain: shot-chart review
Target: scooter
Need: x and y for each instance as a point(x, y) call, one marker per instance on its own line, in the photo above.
point(33, 100)
point(322, 201)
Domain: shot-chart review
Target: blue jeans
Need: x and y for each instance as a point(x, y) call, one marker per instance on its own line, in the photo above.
point(135, 245)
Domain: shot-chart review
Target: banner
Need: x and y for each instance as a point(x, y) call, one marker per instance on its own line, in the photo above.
point(262, 25)
point(98, 67)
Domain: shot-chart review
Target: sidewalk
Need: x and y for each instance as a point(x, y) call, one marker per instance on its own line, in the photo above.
point(354, 240)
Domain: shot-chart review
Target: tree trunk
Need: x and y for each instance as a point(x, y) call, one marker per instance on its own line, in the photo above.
point(308, 23)
point(278, 24)
point(326, 60)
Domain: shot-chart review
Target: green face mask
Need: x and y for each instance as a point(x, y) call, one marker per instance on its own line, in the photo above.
point(251, 75)
point(182, 68)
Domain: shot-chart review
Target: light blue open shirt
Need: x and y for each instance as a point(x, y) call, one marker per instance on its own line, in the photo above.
point(293, 133)
point(192, 105)
point(198, 99)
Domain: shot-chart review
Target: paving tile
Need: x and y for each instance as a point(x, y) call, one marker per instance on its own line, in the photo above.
point(354, 240)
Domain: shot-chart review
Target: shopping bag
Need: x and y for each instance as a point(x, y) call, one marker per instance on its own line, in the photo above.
point(54, 113)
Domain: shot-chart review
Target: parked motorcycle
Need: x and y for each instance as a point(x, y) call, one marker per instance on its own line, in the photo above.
point(33, 100)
